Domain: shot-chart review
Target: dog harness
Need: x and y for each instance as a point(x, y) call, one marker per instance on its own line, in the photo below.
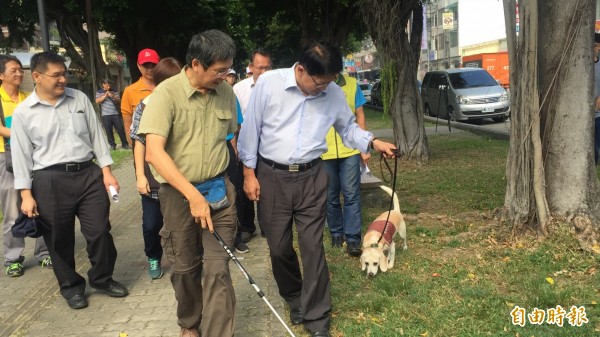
point(379, 226)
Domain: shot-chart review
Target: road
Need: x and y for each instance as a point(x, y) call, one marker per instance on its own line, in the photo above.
point(483, 127)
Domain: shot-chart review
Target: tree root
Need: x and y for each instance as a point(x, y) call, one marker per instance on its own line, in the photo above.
point(585, 233)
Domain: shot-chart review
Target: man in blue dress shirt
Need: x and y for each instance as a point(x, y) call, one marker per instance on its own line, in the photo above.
point(286, 121)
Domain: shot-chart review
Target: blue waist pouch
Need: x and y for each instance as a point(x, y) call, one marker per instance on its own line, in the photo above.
point(215, 192)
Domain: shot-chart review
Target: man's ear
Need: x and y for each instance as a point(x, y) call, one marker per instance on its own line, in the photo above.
point(35, 77)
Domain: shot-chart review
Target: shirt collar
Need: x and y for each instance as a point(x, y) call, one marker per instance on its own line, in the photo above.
point(35, 99)
point(6, 98)
point(142, 86)
point(341, 80)
point(189, 90)
point(290, 81)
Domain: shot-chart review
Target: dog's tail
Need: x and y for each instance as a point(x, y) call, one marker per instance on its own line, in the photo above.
point(396, 202)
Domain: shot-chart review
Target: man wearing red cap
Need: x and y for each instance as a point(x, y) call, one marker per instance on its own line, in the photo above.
point(135, 93)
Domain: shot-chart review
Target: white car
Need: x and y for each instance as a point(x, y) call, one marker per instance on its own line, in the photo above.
point(366, 90)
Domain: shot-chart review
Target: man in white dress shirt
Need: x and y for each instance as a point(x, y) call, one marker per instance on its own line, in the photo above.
point(283, 137)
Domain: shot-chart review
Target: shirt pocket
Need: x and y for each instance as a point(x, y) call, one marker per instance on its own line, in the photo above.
point(78, 123)
point(222, 121)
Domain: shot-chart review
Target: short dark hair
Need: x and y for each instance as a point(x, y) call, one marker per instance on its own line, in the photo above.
point(164, 69)
point(39, 62)
point(261, 52)
point(4, 59)
point(209, 47)
point(321, 58)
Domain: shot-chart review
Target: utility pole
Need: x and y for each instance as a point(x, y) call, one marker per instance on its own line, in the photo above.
point(43, 25)
point(90, 31)
point(428, 32)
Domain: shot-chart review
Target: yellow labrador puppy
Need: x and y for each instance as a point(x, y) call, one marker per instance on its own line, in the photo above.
point(380, 252)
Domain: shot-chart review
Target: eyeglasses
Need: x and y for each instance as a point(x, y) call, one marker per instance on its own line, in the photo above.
point(261, 68)
point(14, 71)
point(220, 73)
point(57, 75)
point(322, 85)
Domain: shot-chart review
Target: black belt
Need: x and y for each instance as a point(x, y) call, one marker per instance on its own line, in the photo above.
point(292, 167)
point(69, 167)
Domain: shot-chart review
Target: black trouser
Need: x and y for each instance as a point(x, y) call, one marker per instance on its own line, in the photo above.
point(115, 121)
point(244, 206)
point(300, 197)
point(60, 196)
point(233, 171)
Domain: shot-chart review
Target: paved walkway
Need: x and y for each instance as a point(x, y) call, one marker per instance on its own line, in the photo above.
point(31, 305)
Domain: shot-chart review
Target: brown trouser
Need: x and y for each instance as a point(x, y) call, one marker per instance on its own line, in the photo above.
point(199, 263)
point(300, 197)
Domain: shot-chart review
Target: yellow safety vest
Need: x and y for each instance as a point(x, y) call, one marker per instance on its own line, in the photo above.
point(335, 148)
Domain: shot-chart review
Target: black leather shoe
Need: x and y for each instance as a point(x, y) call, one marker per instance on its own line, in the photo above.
point(323, 333)
point(112, 288)
point(337, 241)
point(296, 316)
point(354, 249)
point(77, 302)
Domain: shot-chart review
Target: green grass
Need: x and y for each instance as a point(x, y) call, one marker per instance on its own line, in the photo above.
point(119, 155)
point(463, 272)
point(377, 120)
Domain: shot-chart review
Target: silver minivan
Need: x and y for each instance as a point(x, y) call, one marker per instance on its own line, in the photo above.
point(464, 94)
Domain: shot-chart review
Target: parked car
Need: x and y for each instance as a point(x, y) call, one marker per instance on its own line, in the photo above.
point(464, 94)
point(366, 90)
point(376, 98)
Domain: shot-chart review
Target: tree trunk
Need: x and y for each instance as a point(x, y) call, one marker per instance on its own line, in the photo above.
point(387, 22)
point(75, 40)
point(550, 168)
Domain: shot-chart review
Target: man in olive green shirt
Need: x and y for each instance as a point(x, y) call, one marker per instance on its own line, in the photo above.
point(185, 125)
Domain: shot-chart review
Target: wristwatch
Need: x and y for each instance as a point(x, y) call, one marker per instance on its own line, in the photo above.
point(371, 143)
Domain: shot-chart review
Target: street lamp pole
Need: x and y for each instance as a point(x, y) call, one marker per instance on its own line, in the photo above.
point(43, 25)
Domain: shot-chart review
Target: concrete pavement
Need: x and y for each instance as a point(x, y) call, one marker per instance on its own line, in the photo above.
point(31, 305)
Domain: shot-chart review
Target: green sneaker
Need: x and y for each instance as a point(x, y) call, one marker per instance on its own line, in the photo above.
point(46, 263)
point(14, 270)
point(154, 269)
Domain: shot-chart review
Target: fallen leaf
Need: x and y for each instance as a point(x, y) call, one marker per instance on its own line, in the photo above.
point(591, 271)
point(471, 276)
point(550, 280)
point(436, 275)
point(425, 334)
point(506, 259)
point(122, 334)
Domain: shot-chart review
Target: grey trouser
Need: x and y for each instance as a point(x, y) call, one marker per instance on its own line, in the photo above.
point(13, 247)
point(200, 266)
point(300, 198)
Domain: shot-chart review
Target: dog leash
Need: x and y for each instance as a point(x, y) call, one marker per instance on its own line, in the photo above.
point(393, 174)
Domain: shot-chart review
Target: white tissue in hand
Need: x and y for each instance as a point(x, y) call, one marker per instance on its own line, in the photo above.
point(113, 193)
